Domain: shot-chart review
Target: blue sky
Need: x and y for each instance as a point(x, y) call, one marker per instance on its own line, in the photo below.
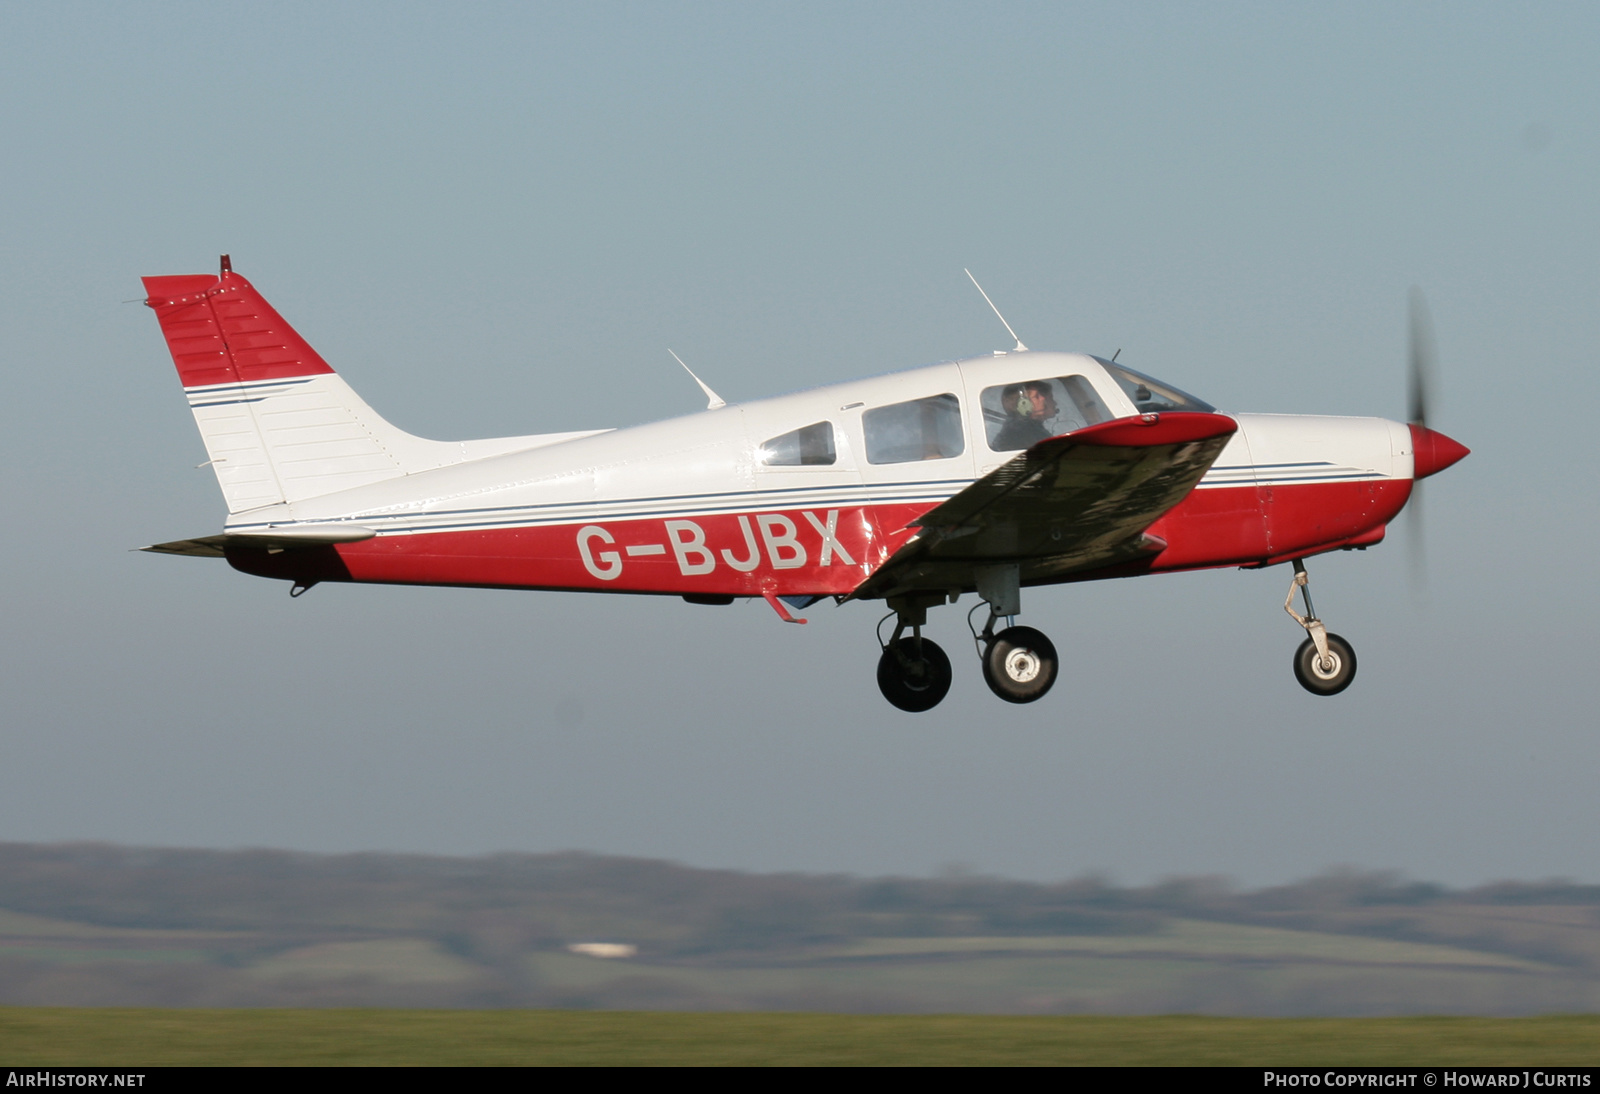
point(495, 219)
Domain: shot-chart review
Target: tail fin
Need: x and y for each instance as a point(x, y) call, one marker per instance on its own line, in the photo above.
point(278, 423)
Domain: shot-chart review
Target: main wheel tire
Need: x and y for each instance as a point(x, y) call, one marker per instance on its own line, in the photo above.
point(914, 674)
point(1317, 680)
point(1020, 665)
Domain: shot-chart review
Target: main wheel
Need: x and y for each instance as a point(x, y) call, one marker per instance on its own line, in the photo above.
point(1020, 665)
point(914, 674)
point(1317, 680)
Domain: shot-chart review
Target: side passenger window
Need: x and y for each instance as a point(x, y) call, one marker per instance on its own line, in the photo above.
point(922, 429)
point(810, 446)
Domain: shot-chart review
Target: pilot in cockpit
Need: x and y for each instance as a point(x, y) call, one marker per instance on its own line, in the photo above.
point(1029, 408)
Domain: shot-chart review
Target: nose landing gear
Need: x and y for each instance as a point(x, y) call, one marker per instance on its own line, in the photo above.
point(1325, 664)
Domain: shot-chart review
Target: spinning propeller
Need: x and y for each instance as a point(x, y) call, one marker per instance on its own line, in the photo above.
point(1433, 451)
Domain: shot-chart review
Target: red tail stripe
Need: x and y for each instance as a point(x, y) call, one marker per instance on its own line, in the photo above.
point(220, 330)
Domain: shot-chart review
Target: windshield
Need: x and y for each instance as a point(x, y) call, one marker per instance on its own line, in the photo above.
point(1151, 396)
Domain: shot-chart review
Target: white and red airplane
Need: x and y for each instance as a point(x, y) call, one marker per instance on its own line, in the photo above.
point(986, 475)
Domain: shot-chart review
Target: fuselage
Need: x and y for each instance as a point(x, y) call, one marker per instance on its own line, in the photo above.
point(807, 494)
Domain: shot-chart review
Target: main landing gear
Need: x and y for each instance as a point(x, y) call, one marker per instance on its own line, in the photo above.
point(1019, 663)
point(914, 674)
point(1324, 664)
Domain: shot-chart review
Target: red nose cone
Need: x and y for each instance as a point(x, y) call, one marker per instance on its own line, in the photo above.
point(1434, 451)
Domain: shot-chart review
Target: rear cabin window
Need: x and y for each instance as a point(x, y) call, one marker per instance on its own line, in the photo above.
point(922, 429)
point(809, 446)
point(1020, 415)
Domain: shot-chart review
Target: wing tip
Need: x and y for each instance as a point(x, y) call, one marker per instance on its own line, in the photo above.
point(1149, 430)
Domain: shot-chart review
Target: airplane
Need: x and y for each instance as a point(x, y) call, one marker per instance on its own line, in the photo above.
point(986, 475)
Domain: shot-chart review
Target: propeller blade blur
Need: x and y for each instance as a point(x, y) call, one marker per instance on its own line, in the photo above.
point(1433, 451)
point(1416, 544)
point(1424, 360)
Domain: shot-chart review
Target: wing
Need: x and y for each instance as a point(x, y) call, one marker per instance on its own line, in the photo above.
point(1075, 502)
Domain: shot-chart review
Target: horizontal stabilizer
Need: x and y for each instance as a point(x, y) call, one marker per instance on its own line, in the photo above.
point(280, 539)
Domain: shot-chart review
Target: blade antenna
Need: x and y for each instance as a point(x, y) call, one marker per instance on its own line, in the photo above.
point(1020, 348)
point(713, 400)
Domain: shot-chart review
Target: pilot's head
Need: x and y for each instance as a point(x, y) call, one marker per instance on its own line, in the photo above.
point(1042, 401)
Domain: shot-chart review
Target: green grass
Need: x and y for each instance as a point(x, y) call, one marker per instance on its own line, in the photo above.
point(33, 1037)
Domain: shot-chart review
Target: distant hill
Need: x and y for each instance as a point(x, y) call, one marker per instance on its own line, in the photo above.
point(95, 924)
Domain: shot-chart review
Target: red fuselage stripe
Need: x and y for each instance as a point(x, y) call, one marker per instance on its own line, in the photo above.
point(816, 551)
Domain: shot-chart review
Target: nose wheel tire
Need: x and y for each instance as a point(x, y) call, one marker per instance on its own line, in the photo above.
point(1320, 679)
point(1020, 665)
point(914, 674)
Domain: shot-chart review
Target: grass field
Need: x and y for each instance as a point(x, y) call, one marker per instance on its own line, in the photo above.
point(45, 1036)
point(102, 926)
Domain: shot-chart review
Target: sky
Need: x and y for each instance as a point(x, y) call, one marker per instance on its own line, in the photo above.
point(496, 219)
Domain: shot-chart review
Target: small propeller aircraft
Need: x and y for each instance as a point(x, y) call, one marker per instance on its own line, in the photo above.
point(988, 475)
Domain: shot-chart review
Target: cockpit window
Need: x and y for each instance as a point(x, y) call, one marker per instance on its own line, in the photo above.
point(1152, 396)
point(809, 446)
point(1017, 416)
point(922, 429)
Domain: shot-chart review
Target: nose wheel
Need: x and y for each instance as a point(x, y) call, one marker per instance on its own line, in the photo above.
point(1325, 675)
point(1325, 664)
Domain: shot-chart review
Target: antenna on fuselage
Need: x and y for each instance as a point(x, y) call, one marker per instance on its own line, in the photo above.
point(713, 400)
point(1019, 348)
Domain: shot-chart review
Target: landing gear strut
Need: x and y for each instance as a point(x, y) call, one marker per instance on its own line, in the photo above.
point(913, 672)
point(1019, 663)
point(1325, 664)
